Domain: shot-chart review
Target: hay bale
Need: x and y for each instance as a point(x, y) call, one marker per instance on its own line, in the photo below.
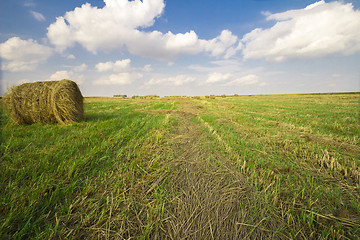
point(50, 101)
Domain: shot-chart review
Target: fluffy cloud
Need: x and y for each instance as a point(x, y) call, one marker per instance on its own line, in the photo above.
point(147, 68)
point(70, 56)
point(172, 81)
point(318, 30)
point(218, 77)
point(38, 16)
point(104, 28)
point(117, 66)
point(74, 74)
point(228, 79)
point(221, 44)
point(23, 55)
point(29, 3)
point(59, 75)
point(121, 73)
point(117, 25)
point(249, 79)
point(119, 79)
point(80, 68)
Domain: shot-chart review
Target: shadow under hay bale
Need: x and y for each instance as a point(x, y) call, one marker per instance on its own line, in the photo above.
point(49, 101)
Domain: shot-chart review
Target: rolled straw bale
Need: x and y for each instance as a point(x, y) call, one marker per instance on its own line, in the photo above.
point(49, 101)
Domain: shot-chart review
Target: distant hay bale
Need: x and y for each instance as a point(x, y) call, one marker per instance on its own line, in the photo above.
point(49, 101)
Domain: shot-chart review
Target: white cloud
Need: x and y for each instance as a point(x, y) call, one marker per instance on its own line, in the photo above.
point(23, 55)
point(318, 30)
point(168, 46)
point(147, 68)
point(80, 68)
point(220, 44)
point(172, 81)
point(74, 74)
point(121, 23)
point(29, 3)
point(163, 46)
point(117, 66)
point(70, 56)
point(70, 75)
point(119, 79)
point(122, 74)
point(103, 28)
point(104, 67)
point(59, 75)
point(249, 79)
point(218, 77)
point(263, 84)
point(266, 13)
point(38, 16)
point(233, 66)
point(21, 81)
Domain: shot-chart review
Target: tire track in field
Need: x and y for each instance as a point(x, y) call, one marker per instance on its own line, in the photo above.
point(327, 163)
point(209, 202)
point(215, 134)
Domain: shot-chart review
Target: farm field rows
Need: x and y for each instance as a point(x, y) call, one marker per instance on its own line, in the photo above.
point(247, 167)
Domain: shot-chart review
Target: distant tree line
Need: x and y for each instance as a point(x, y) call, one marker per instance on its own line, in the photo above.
point(123, 96)
point(145, 97)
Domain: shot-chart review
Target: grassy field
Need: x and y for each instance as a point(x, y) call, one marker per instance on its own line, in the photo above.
point(247, 167)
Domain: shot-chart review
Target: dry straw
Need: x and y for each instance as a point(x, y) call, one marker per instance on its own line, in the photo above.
point(50, 101)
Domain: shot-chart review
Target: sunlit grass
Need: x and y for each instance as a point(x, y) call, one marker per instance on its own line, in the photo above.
point(110, 175)
point(301, 153)
point(55, 176)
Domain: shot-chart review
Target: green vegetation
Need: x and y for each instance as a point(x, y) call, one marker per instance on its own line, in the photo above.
point(122, 96)
point(145, 97)
point(262, 167)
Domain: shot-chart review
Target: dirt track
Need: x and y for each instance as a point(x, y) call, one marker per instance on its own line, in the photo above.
point(211, 197)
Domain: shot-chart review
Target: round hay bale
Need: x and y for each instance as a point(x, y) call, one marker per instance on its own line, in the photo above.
point(49, 101)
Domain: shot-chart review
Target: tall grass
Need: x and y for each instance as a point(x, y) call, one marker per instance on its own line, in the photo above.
point(78, 180)
point(286, 167)
point(301, 154)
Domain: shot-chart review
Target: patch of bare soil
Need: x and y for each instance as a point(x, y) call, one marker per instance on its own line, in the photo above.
point(210, 202)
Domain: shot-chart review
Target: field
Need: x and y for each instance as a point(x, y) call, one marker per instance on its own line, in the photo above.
point(246, 167)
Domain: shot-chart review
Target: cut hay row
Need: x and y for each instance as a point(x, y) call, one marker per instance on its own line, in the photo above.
point(50, 101)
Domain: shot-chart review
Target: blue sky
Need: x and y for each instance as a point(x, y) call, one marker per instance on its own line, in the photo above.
point(183, 47)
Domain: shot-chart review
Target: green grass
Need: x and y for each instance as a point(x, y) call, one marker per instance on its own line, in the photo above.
point(105, 177)
point(68, 174)
point(296, 150)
